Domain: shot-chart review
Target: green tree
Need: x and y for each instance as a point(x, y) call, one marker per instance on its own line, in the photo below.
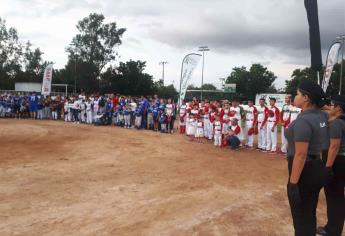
point(10, 55)
point(307, 73)
point(258, 79)
point(96, 42)
point(128, 79)
point(167, 92)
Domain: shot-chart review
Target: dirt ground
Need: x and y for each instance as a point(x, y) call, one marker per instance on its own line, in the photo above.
point(68, 179)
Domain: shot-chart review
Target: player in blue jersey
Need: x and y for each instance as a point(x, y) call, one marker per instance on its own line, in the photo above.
point(155, 114)
point(163, 121)
point(138, 117)
point(33, 101)
point(150, 116)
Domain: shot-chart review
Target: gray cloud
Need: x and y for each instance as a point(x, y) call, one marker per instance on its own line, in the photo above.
point(259, 27)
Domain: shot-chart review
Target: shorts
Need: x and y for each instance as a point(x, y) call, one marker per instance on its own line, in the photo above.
point(33, 108)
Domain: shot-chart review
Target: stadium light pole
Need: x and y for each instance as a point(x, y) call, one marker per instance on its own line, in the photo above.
point(163, 64)
point(341, 39)
point(203, 49)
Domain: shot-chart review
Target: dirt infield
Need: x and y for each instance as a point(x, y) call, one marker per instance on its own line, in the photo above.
point(67, 179)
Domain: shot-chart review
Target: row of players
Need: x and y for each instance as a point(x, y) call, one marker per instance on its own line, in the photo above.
point(218, 122)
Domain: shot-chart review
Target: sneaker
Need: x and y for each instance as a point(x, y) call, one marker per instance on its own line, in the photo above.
point(272, 152)
point(264, 150)
point(321, 231)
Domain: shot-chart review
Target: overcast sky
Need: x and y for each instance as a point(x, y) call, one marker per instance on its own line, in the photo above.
point(238, 32)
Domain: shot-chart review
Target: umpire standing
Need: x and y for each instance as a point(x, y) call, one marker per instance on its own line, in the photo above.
point(335, 165)
point(307, 173)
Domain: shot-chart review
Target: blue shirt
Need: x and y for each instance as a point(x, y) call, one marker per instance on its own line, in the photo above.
point(155, 112)
point(33, 100)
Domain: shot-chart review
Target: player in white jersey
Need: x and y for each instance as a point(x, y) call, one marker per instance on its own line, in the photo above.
point(189, 108)
point(206, 119)
point(88, 111)
point(199, 134)
point(169, 111)
point(295, 111)
point(82, 110)
point(95, 108)
point(251, 115)
point(65, 108)
point(272, 122)
point(262, 125)
point(182, 116)
point(236, 112)
point(217, 131)
point(285, 117)
point(212, 118)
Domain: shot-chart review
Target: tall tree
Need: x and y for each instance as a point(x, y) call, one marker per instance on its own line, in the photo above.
point(96, 42)
point(129, 79)
point(10, 55)
point(258, 79)
point(167, 92)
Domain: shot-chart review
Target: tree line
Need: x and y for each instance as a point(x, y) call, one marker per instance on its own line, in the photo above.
point(92, 55)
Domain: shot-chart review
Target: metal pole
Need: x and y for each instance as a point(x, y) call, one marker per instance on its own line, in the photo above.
point(202, 74)
point(75, 75)
point(163, 74)
point(203, 49)
point(341, 64)
point(163, 64)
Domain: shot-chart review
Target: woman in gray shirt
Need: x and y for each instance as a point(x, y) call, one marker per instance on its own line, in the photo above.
point(335, 165)
point(307, 173)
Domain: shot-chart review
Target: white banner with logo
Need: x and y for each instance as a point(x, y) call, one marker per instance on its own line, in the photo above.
point(332, 59)
point(47, 80)
point(188, 65)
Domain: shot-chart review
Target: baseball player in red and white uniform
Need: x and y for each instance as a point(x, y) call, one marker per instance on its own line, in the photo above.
point(189, 108)
point(262, 125)
point(285, 116)
point(251, 115)
point(182, 117)
point(212, 118)
point(272, 122)
point(206, 119)
point(235, 112)
point(217, 131)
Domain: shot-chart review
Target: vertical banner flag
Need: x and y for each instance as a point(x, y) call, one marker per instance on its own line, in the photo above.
point(314, 34)
point(47, 80)
point(332, 59)
point(188, 65)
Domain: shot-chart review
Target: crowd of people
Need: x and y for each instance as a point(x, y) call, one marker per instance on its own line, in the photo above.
point(128, 112)
point(225, 123)
point(229, 123)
